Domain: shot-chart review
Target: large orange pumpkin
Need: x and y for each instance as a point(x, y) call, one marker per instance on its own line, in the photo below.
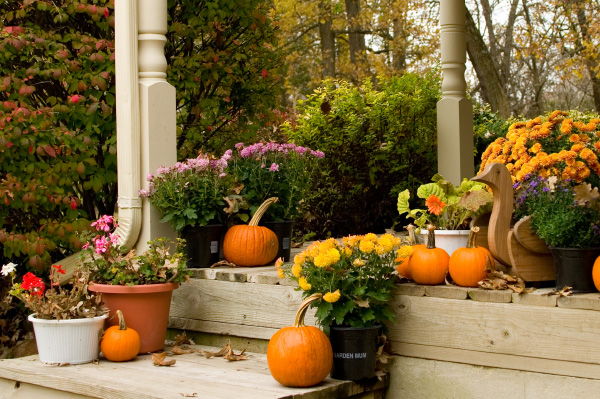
point(596, 273)
point(251, 244)
point(119, 343)
point(300, 356)
point(402, 266)
point(429, 265)
point(467, 265)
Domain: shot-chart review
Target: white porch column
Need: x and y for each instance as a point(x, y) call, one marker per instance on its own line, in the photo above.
point(454, 110)
point(157, 110)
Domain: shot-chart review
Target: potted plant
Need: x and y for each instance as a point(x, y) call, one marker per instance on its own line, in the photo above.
point(190, 196)
point(140, 286)
point(566, 215)
point(265, 170)
point(450, 208)
point(67, 321)
point(356, 278)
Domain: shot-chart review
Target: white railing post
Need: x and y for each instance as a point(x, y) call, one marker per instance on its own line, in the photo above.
point(157, 109)
point(454, 110)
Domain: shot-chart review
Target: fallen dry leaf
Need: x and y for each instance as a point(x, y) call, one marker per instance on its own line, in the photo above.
point(226, 352)
point(223, 263)
point(182, 339)
point(159, 359)
point(566, 291)
point(362, 303)
point(178, 350)
point(189, 395)
point(498, 280)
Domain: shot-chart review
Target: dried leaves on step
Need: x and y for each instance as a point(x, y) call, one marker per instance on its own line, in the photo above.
point(182, 339)
point(226, 352)
point(223, 263)
point(182, 350)
point(159, 359)
point(497, 280)
point(566, 291)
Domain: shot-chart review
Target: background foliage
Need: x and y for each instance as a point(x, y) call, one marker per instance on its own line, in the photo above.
point(376, 143)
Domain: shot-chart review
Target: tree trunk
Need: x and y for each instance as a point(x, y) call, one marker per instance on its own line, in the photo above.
point(492, 89)
point(399, 50)
point(535, 71)
point(591, 63)
point(327, 40)
point(356, 38)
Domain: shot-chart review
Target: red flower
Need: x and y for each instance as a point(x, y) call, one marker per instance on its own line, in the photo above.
point(435, 205)
point(59, 269)
point(33, 284)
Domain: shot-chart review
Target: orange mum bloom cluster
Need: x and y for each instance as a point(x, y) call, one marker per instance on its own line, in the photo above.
point(558, 147)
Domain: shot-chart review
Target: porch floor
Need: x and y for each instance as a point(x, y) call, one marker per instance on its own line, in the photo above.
point(193, 375)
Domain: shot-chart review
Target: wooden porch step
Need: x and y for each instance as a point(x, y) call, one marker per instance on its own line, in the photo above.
point(193, 375)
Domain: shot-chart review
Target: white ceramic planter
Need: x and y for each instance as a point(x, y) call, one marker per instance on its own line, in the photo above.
point(449, 240)
point(73, 341)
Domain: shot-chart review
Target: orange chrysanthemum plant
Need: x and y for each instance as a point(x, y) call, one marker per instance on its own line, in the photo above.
point(448, 207)
point(556, 146)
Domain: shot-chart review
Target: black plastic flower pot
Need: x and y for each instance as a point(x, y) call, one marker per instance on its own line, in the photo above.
point(203, 244)
point(573, 268)
point(354, 352)
point(283, 231)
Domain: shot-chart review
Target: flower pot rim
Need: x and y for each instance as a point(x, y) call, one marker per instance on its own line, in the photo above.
point(33, 319)
point(461, 232)
point(133, 289)
point(346, 328)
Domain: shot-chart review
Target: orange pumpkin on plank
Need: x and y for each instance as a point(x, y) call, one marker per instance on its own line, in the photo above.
point(251, 244)
point(120, 343)
point(300, 356)
point(467, 265)
point(429, 265)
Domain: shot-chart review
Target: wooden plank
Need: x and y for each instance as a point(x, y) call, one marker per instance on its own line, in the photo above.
point(258, 305)
point(410, 289)
point(477, 358)
point(221, 328)
point(193, 374)
point(510, 329)
point(580, 301)
point(498, 296)
point(536, 298)
point(447, 291)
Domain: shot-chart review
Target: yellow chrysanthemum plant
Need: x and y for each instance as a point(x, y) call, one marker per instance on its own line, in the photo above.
point(565, 145)
point(449, 207)
point(356, 276)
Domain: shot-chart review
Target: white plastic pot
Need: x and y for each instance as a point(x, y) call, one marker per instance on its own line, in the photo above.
point(449, 240)
point(72, 341)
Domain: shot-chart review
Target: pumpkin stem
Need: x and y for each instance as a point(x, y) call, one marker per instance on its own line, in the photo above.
point(304, 307)
point(412, 237)
point(261, 211)
point(430, 236)
point(471, 242)
point(122, 325)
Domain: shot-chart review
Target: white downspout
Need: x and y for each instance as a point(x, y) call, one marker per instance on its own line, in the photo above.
point(128, 122)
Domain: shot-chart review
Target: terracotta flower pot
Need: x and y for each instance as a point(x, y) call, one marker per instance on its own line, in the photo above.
point(145, 307)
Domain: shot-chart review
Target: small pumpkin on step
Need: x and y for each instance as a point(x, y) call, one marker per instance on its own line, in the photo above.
point(251, 244)
point(120, 343)
point(428, 265)
point(467, 265)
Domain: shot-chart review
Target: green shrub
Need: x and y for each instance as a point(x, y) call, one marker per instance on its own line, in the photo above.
point(57, 125)
point(376, 144)
point(487, 127)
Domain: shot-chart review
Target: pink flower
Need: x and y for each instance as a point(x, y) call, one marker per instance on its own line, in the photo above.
point(238, 146)
point(86, 245)
point(74, 99)
point(114, 239)
point(150, 176)
point(104, 223)
point(274, 167)
point(101, 244)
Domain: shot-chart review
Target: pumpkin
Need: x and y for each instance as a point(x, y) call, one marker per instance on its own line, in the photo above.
point(428, 265)
point(120, 343)
point(402, 266)
point(468, 265)
point(596, 273)
point(251, 244)
point(299, 355)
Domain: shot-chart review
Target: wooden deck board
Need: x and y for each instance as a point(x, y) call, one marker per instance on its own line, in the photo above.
point(193, 375)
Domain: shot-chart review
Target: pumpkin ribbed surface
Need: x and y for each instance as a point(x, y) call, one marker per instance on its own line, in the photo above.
point(119, 343)
point(300, 356)
point(250, 245)
point(429, 265)
point(467, 265)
